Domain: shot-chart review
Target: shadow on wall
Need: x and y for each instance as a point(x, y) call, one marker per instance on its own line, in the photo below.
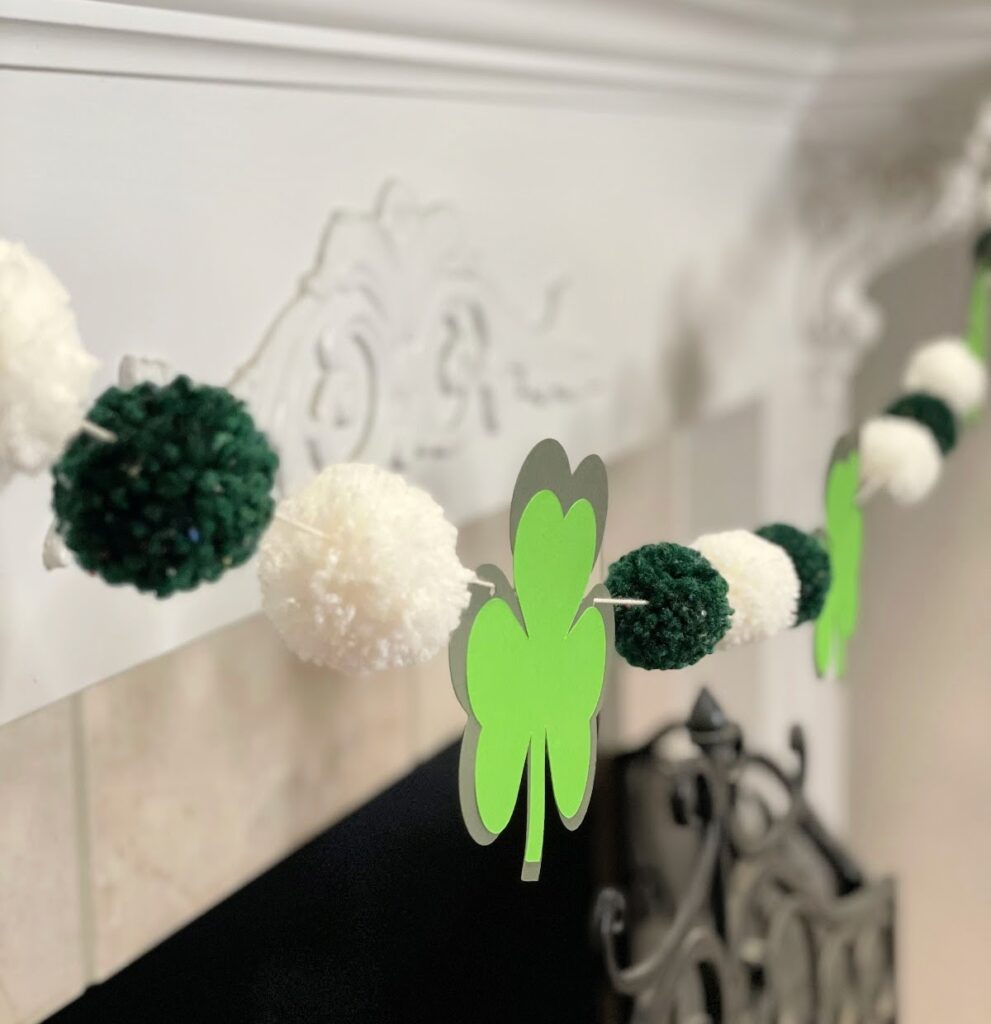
point(919, 684)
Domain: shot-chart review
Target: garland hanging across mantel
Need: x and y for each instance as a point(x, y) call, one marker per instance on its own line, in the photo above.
point(164, 486)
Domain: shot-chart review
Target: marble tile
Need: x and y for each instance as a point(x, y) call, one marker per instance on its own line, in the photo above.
point(41, 936)
point(210, 764)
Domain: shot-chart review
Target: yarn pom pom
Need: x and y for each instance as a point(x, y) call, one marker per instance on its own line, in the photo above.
point(368, 577)
point(45, 372)
point(933, 413)
point(763, 584)
point(811, 561)
point(687, 611)
point(901, 456)
point(183, 494)
point(949, 370)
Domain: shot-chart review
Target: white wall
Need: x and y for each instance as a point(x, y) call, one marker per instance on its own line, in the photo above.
point(178, 170)
point(920, 680)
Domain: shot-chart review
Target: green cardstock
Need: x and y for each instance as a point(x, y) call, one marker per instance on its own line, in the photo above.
point(977, 319)
point(844, 536)
point(529, 664)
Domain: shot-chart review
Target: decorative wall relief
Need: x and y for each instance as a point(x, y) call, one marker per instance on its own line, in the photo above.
point(397, 348)
point(862, 211)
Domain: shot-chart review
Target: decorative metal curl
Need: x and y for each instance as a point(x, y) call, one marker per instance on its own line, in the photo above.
point(767, 920)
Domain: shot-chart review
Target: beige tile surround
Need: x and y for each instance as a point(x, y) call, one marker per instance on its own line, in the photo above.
point(135, 806)
point(41, 935)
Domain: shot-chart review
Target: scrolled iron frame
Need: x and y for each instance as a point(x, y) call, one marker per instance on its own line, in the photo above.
point(757, 934)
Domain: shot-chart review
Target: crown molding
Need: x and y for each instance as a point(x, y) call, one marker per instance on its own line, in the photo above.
point(851, 69)
point(909, 72)
point(747, 54)
point(579, 25)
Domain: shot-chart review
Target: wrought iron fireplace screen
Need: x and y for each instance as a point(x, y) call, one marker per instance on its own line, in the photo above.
point(746, 909)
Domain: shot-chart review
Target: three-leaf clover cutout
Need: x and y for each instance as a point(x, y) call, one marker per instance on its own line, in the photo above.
point(529, 663)
point(845, 542)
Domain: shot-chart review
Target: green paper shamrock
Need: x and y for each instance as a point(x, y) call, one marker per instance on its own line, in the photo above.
point(529, 664)
point(978, 313)
point(845, 541)
point(977, 320)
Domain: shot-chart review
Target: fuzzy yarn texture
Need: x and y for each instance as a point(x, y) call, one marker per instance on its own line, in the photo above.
point(374, 582)
point(45, 372)
point(687, 612)
point(949, 370)
point(933, 413)
point(901, 456)
point(811, 561)
point(183, 494)
point(763, 584)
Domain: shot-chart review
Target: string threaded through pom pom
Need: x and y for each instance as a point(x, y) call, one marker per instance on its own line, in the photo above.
point(45, 372)
point(373, 581)
point(763, 584)
point(811, 561)
point(947, 369)
point(931, 412)
point(183, 494)
point(687, 611)
point(901, 455)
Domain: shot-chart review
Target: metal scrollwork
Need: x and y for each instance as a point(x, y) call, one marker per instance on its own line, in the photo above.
point(747, 911)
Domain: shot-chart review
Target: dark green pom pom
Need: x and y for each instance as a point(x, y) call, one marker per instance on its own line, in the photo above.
point(182, 494)
point(811, 561)
point(687, 614)
point(982, 248)
point(931, 412)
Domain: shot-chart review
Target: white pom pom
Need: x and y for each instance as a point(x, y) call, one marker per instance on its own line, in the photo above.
point(901, 456)
point(45, 372)
point(947, 369)
point(763, 583)
point(375, 581)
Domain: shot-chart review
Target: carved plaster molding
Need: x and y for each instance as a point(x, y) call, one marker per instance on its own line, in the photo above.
point(398, 349)
point(863, 211)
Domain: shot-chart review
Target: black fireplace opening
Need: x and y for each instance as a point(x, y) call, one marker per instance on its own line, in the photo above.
point(392, 915)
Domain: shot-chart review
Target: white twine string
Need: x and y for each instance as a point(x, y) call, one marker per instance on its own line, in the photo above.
point(304, 527)
point(296, 524)
point(868, 490)
point(108, 436)
point(621, 602)
point(96, 431)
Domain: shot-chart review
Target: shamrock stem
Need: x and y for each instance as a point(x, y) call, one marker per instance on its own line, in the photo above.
point(534, 848)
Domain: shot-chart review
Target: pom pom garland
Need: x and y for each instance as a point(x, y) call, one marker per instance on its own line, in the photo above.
point(763, 584)
point(901, 456)
point(45, 372)
point(359, 572)
point(181, 495)
point(165, 486)
point(932, 413)
point(948, 370)
point(687, 612)
point(811, 561)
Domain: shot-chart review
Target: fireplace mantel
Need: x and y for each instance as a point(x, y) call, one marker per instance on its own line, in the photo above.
point(581, 192)
point(428, 236)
